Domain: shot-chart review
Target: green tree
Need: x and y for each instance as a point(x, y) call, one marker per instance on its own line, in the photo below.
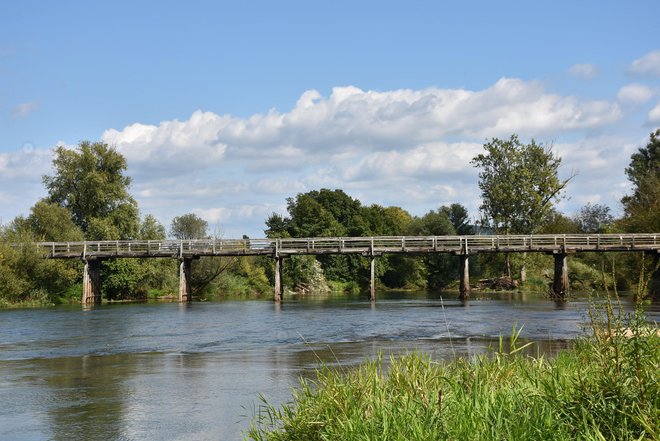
point(519, 184)
point(557, 223)
point(642, 207)
point(49, 222)
point(89, 181)
point(188, 227)
point(594, 218)
point(151, 229)
point(459, 218)
point(438, 270)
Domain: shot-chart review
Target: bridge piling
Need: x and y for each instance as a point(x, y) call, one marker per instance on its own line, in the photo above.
point(92, 282)
point(464, 290)
point(279, 289)
point(560, 281)
point(372, 279)
point(185, 275)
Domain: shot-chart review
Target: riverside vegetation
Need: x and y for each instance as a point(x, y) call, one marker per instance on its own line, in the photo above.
point(605, 388)
point(89, 199)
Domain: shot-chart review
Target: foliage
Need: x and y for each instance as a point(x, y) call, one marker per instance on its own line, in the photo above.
point(642, 207)
point(459, 218)
point(519, 184)
point(151, 229)
point(25, 276)
point(50, 222)
point(557, 223)
point(89, 181)
point(604, 388)
point(439, 269)
point(123, 279)
point(594, 219)
point(189, 226)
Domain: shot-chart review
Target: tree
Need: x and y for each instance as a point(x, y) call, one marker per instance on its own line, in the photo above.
point(189, 226)
point(642, 207)
point(151, 229)
point(519, 184)
point(439, 270)
point(557, 223)
point(594, 218)
point(50, 222)
point(459, 218)
point(89, 181)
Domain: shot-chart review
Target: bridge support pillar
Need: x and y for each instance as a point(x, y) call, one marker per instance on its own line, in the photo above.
point(560, 281)
point(464, 290)
point(372, 279)
point(279, 288)
point(92, 282)
point(185, 275)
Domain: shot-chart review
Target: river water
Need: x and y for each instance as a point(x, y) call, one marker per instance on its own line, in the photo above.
point(164, 371)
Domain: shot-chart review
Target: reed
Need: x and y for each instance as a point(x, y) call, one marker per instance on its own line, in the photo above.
point(606, 387)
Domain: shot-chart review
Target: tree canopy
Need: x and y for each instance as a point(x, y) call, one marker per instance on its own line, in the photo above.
point(642, 206)
point(519, 184)
point(89, 181)
point(189, 226)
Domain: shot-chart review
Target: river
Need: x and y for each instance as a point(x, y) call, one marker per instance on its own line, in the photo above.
point(164, 371)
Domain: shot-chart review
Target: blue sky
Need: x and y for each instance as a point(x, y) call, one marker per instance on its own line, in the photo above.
point(226, 109)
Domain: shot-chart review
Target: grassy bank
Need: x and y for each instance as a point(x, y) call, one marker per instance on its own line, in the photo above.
point(606, 387)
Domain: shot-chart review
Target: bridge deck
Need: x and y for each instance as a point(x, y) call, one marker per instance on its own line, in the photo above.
point(551, 243)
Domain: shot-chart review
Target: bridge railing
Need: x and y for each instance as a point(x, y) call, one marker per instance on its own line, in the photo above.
point(364, 245)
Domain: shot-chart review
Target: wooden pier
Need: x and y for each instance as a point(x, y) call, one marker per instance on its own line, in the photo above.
point(559, 245)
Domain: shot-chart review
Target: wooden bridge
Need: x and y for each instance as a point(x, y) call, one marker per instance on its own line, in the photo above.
point(559, 245)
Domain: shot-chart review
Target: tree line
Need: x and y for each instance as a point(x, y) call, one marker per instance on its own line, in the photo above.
point(89, 199)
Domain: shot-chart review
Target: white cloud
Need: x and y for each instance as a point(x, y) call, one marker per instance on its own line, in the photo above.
point(654, 115)
point(410, 148)
point(585, 70)
point(649, 64)
point(635, 94)
point(23, 110)
point(182, 145)
point(351, 119)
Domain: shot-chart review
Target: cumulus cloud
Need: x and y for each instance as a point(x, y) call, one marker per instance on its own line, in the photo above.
point(649, 64)
point(24, 110)
point(584, 70)
point(635, 94)
point(403, 147)
point(182, 145)
point(410, 148)
point(351, 119)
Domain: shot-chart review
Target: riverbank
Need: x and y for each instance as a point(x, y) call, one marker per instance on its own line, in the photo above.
point(605, 387)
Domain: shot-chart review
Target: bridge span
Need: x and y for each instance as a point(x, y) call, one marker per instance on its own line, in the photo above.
point(559, 245)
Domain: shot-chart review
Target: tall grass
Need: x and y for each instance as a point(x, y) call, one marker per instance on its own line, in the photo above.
point(606, 388)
